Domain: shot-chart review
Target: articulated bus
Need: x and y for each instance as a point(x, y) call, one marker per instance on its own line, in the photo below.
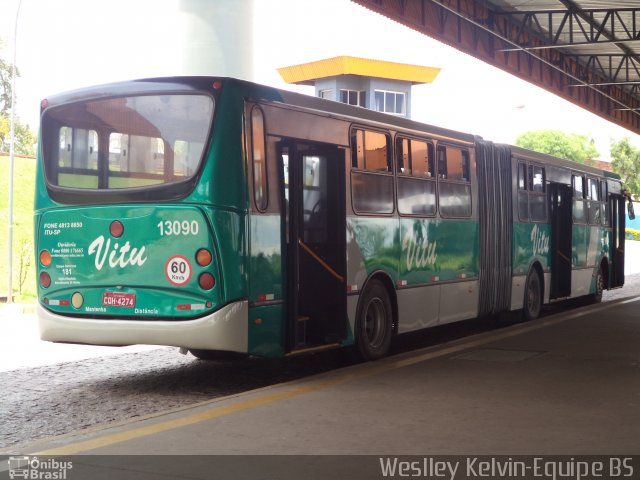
point(218, 216)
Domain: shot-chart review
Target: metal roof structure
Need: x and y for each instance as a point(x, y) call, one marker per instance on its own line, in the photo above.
point(306, 73)
point(586, 51)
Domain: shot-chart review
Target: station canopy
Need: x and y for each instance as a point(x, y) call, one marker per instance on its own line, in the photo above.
point(586, 51)
point(308, 73)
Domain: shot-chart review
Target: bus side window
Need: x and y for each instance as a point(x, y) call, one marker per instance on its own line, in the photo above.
point(370, 151)
point(421, 159)
point(454, 183)
point(77, 158)
point(260, 192)
point(523, 196)
point(402, 155)
point(416, 187)
point(604, 198)
point(357, 149)
point(78, 148)
point(522, 176)
point(415, 158)
point(456, 164)
point(578, 186)
point(594, 189)
point(537, 197)
point(466, 166)
point(376, 153)
point(593, 194)
point(579, 215)
point(442, 162)
point(537, 180)
point(372, 175)
point(431, 155)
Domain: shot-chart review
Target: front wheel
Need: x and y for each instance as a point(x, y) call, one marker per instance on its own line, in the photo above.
point(532, 304)
point(374, 323)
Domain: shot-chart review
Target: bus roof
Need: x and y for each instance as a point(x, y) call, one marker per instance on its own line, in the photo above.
point(262, 92)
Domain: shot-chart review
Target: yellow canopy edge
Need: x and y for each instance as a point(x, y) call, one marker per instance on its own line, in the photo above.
point(306, 73)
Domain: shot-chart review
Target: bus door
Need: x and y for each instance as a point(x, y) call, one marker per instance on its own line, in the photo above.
point(618, 219)
point(561, 237)
point(314, 225)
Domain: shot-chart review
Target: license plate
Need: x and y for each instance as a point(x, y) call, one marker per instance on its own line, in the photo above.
point(117, 299)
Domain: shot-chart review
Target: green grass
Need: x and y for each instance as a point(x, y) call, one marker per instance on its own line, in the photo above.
point(24, 289)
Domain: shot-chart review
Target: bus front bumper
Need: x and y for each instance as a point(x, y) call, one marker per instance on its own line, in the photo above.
point(224, 329)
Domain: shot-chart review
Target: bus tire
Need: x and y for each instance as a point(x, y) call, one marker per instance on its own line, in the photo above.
point(216, 354)
point(374, 322)
point(532, 303)
point(597, 296)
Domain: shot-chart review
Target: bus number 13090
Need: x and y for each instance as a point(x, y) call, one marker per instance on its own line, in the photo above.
point(177, 227)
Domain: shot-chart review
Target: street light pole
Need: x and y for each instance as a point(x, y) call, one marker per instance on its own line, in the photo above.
point(12, 152)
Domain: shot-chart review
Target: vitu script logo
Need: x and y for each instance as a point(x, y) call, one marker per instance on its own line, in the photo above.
point(539, 241)
point(118, 256)
point(420, 252)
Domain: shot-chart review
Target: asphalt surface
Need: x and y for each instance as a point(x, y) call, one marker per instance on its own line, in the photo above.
point(558, 389)
point(48, 400)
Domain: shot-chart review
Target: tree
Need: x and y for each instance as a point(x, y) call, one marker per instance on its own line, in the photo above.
point(25, 138)
point(626, 163)
point(5, 84)
point(4, 132)
point(570, 146)
point(5, 87)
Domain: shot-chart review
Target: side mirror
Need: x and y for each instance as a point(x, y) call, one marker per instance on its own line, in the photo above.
point(630, 211)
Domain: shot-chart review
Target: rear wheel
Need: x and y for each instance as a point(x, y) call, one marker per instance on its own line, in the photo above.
point(374, 323)
point(597, 296)
point(532, 296)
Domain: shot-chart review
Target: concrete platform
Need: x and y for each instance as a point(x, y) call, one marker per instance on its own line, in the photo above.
point(568, 384)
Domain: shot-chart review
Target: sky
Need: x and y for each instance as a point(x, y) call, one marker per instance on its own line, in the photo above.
point(67, 44)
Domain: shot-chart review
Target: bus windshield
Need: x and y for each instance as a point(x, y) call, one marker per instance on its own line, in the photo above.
point(126, 142)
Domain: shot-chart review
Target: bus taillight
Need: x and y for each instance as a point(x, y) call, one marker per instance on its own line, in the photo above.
point(116, 229)
point(45, 258)
point(206, 281)
point(203, 257)
point(45, 280)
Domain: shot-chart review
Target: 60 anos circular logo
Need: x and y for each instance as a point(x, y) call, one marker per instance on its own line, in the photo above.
point(178, 270)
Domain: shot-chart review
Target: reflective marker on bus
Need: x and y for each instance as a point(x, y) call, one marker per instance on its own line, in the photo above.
point(219, 216)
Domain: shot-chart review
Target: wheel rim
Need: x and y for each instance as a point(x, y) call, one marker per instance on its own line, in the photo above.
point(599, 284)
point(375, 320)
point(533, 297)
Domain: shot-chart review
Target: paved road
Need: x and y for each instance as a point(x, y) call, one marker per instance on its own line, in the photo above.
point(39, 399)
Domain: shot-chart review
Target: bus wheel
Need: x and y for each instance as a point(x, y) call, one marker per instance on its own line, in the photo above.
point(597, 296)
point(216, 354)
point(532, 296)
point(374, 323)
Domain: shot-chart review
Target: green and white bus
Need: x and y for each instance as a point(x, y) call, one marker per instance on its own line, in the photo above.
point(219, 216)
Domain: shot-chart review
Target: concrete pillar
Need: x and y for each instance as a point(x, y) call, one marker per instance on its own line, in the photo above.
point(216, 37)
